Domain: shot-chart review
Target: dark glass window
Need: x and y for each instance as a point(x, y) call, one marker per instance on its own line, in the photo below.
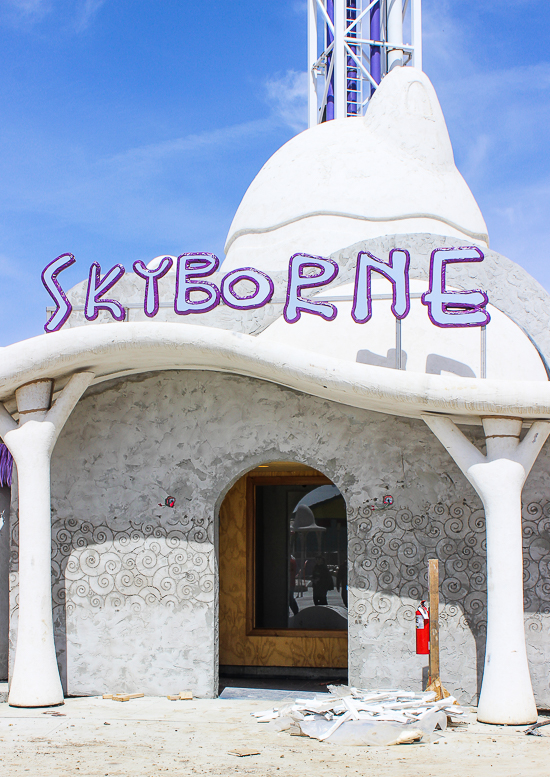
point(300, 557)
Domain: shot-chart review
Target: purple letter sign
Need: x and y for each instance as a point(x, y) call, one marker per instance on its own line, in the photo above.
point(49, 279)
point(97, 287)
point(151, 278)
point(263, 289)
point(190, 266)
point(454, 308)
point(396, 271)
point(295, 303)
point(446, 308)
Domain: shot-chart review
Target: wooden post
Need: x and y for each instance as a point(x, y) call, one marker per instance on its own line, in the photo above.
point(433, 574)
point(434, 682)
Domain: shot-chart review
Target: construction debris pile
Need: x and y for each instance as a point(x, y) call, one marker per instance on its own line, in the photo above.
point(351, 716)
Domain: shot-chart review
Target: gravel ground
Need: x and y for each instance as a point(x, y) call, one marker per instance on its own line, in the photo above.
point(151, 737)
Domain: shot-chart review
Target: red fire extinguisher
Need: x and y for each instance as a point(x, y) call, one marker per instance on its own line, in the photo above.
point(422, 629)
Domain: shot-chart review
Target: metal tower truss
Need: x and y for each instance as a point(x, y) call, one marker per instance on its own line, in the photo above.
point(352, 44)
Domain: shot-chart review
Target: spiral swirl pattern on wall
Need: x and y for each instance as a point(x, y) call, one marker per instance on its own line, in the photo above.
point(389, 552)
point(172, 563)
point(144, 563)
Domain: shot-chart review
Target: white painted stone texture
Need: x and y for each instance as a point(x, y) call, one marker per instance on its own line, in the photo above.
point(135, 584)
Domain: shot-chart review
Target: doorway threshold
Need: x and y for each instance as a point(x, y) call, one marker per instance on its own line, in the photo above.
point(277, 682)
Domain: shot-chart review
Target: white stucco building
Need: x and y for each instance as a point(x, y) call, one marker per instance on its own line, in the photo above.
point(430, 416)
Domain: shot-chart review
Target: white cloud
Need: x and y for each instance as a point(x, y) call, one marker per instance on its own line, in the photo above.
point(223, 137)
point(476, 155)
point(498, 114)
point(27, 6)
point(152, 190)
point(28, 10)
point(520, 227)
point(299, 7)
point(287, 97)
point(77, 15)
point(12, 269)
point(86, 12)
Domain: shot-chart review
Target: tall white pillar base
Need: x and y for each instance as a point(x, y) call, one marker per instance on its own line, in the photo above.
point(35, 681)
point(395, 33)
point(506, 696)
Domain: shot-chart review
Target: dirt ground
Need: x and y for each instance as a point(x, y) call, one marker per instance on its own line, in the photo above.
point(151, 737)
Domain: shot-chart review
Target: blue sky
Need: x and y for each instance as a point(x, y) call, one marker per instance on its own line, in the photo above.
point(132, 128)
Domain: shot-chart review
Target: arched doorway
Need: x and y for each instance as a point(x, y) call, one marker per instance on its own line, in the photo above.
point(283, 574)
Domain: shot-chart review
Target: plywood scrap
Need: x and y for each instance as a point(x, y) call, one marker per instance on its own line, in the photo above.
point(440, 691)
point(126, 696)
point(173, 697)
point(241, 752)
point(107, 696)
point(186, 695)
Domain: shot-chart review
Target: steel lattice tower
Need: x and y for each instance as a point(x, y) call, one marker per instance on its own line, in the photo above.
point(352, 44)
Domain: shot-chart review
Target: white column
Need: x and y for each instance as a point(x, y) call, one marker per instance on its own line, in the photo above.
point(340, 60)
point(35, 681)
point(313, 113)
point(506, 692)
point(395, 32)
point(416, 32)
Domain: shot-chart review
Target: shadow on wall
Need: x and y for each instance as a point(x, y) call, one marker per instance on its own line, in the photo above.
point(167, 561)
point(435, 364)
point(154, 567)
point(392, 549)
point(390, 360)
point(126, 565)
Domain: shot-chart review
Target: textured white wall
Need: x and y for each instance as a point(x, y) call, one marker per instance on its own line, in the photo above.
point(135, 595)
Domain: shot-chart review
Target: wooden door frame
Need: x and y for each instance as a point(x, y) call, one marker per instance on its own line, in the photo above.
point(267, 480)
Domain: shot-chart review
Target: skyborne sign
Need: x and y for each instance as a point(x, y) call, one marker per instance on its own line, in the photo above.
point(446, 308)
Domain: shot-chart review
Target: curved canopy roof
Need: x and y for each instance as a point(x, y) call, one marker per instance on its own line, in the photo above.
point(111, 350)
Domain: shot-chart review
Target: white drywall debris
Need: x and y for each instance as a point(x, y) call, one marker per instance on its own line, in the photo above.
point(351, 716)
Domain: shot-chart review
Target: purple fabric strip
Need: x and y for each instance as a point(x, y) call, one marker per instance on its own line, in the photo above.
point(375, 53)
point(6, 466)
point(329, 111)
point(352, 72)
